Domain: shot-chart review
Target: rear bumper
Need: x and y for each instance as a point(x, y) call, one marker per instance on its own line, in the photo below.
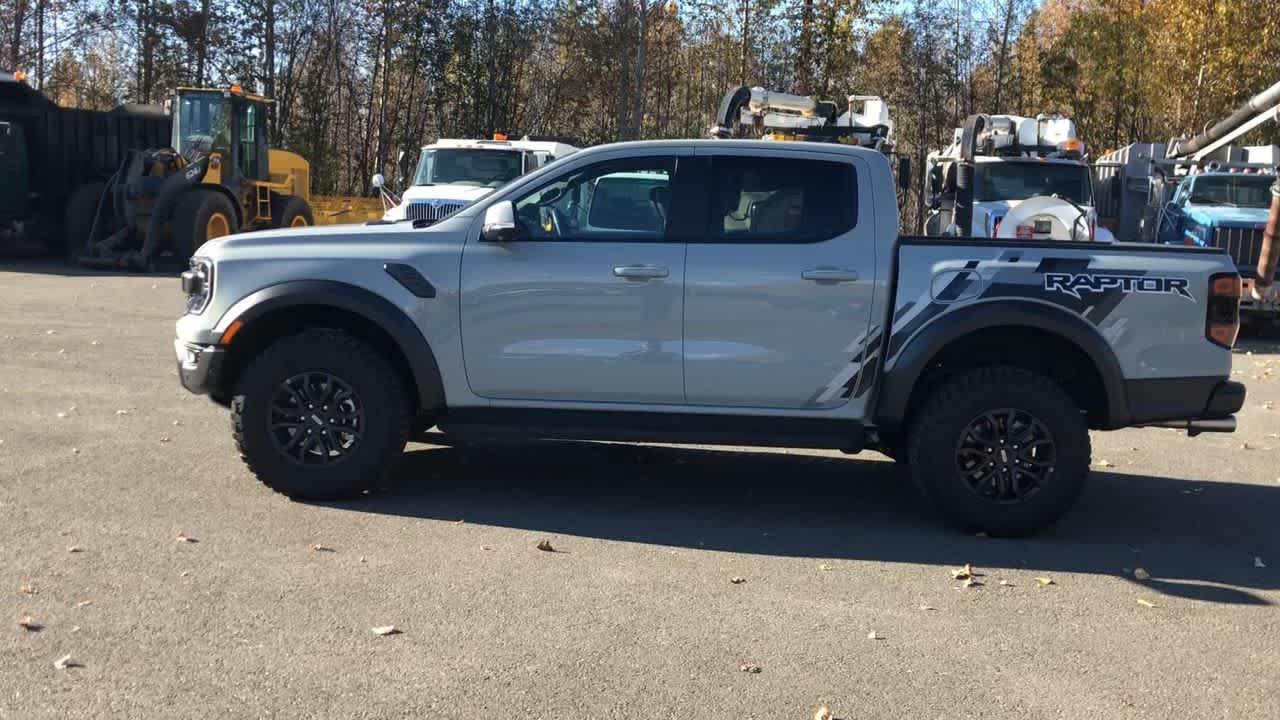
point(199, 366)
point(1162, 399)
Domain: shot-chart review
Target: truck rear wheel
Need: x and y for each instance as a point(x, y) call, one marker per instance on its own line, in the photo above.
point(1000, 450)
point(81, 209)
point(201, 216)
point(290, 211)
point(320, 415)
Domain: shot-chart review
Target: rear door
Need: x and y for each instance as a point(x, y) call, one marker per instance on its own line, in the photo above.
point(586, 305)
point(779, 284)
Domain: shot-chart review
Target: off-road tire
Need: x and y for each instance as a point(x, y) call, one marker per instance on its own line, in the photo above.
point(78, 220)
point(290, 210)
point(380, 392)
point(191, 220)
point(942, 424)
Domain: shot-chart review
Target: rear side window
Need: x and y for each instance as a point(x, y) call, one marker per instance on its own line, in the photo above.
point(756, 199)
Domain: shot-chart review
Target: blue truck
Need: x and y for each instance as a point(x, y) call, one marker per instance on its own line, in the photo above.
point(1226, 210)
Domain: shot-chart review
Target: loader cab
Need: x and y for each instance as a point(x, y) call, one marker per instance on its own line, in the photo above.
point(229, 122)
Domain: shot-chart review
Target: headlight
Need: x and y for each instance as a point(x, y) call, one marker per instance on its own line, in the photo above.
point(197, 283)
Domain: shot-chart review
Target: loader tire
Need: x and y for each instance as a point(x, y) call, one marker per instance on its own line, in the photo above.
point(81, 209)
point(320, 415)
point(1000, 450)
point(290, 211)
point(201, 216)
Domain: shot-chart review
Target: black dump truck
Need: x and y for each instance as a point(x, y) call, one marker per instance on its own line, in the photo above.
point(48, 153)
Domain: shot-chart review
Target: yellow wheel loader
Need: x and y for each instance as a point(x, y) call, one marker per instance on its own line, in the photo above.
point(219, 176)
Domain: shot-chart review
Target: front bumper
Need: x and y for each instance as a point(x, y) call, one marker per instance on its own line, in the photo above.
point(199, 366)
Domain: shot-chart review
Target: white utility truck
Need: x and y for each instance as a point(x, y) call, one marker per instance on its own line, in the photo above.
point(1013, 177)
point(452, 173)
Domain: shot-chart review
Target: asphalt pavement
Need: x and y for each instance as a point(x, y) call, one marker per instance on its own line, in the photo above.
point(135, 542)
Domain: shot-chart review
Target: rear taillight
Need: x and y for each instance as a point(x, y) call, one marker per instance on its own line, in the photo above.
point(1222, 316)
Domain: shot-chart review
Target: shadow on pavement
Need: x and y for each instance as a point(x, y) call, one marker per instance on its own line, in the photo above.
point(1198, 540)
point(66, 267)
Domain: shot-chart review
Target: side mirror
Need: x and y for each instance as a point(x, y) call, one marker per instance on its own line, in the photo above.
point(904, 173)
point(499, 223)
point(378, 181)
point(402, 162)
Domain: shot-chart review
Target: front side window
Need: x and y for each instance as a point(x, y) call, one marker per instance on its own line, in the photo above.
point(756, 199)
point(1022, 180)
point(1245, 191)
point(469, 166)
point(612, 200)
point(202, 124)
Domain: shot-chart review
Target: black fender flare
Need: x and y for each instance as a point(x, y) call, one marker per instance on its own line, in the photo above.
point(912, 361)
point(366, 304)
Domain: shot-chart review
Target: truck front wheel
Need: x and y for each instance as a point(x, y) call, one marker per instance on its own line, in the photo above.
point(1000, 450)
point(320, 415)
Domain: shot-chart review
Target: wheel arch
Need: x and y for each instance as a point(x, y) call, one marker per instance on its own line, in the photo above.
point(1033, 336)
point(292, 307)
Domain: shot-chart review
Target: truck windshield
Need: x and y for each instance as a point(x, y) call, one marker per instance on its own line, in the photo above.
point(1021, 180)
point(464, 166)
point(201, 123)
point(1246, 191)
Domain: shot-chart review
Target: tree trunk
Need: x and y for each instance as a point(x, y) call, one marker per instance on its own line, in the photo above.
point(637, 85)
point(804, 56)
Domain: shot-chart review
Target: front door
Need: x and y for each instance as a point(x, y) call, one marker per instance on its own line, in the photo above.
point(778, 289)
point(586, 304)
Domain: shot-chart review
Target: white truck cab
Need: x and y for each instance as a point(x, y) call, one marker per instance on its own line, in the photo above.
point(452, 173)
point(1018, 159)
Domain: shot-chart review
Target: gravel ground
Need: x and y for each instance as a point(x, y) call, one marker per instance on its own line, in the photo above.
point(105, 462)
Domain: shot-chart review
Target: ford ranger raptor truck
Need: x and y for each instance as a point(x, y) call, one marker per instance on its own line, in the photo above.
point(708, 291)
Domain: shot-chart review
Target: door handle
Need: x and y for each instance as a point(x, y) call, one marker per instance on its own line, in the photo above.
point(828, 274)
point(640, 272)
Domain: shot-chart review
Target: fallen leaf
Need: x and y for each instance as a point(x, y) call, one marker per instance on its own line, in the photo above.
point(184, 573)
point(74, 549)
point(873, 635)
point(1105, 463)
point(75, 451)
point(736, 580)
point(825, 567)
point(971, 582)
point(28, 590)
point(29, 624)
point(822, 713)
point(362, 559)
point(1245, 446)
point(1045, 581)
point(1141, 574)
point(386, 630)
point(1257, 561)
point(164, 438)
point(182, 538)
point(749, 668)
point(1146, 603)
point(65, 662)
point(122, 412)
point(84, 603)
point(964, 573)
point(177, 423)
point(927, 607)
point(61, 415)
point(1005, 583)
point(459, 521)
point(545, 546)
point(317, 547)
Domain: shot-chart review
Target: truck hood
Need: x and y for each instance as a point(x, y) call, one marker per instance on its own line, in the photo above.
point(1222, 216)
point(464, 193)
point(330, 241)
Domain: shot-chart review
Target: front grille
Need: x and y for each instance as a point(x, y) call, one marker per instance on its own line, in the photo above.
point(430, 211)
point(1244, 245)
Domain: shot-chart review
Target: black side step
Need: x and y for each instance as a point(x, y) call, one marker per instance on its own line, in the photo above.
point(681, 428)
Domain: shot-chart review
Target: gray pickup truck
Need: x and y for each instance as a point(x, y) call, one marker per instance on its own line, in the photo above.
point(735, 292)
